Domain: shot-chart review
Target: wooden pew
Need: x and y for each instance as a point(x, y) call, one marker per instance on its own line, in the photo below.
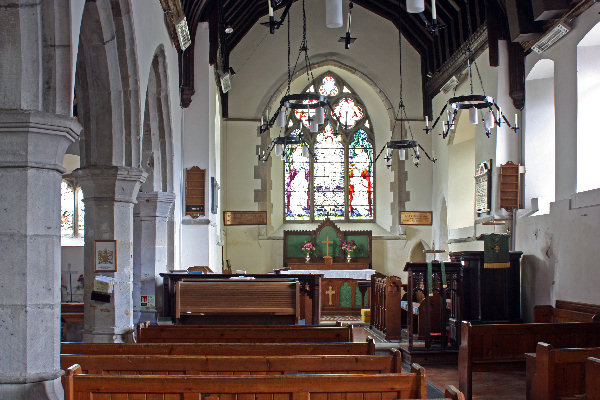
point(592, 378)
point(71, 318)
point(233, 365)
point(493, 347)
point(557, 372)
point(567, 311)
point(221, 349)
point(386, 292)
point(412, 385)
point(246, 334)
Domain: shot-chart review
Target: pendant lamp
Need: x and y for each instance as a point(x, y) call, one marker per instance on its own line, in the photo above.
point(281, 119)
point(320, 115)
point(473, 117)
point(415, 6)
point(333, 14)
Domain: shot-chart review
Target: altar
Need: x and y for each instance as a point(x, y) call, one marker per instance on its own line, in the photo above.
point(342, 271)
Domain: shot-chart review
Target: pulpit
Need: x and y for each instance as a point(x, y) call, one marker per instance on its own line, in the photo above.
point(341, 272)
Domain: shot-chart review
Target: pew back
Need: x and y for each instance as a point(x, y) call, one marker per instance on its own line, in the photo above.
point(592, 373)
point(249, 334)
point(559, 372)
point(233, 365)
point(567, 311)
point(221, 349)
point(503, 346)
point(412, 385)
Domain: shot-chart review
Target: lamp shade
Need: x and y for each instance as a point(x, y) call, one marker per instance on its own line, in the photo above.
point(305, 151)
point(281, 118)
point(415, 6)
point(334, 17)
point(279, 150)
point(314, 126)
point(489, 120)
point(320, 115)
point(473, 117)
point(402, 154)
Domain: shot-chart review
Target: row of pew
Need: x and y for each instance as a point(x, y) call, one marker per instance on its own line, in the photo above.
point(223, 363)
point(554, 351)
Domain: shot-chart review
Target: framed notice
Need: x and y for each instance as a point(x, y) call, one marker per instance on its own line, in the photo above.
point(416, 218)
point(483, 182)
point(231, 218)
point(105, 256)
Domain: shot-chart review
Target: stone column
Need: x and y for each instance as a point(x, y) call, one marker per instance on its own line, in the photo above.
point(32, 146)
point(109, 195)
point(150, 246)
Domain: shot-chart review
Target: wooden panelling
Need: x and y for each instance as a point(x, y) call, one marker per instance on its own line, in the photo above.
point(195, 192)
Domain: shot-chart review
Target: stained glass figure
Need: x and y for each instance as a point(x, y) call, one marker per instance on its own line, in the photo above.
point(297, 184)
point(329, 88)
point(360, 177)
point(81, 212)
point(348, 112)
point(67, 208)
point(329, 174)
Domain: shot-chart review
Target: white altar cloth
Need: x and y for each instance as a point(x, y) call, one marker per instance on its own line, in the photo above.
point(362, 274)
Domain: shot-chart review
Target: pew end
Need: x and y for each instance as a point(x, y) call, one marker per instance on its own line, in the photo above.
point(592, 378)
point(453, 393)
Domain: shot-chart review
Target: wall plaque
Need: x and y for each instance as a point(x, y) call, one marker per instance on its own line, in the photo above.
point(416, 217)
point(231, 218)
point(483, 182)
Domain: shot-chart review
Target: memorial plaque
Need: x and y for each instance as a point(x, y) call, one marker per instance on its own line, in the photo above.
point(416, 217)
point(231, 218)
point(482, 188)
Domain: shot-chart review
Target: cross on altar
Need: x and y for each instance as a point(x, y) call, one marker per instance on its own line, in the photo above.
point(327, 242)
point(330, 292)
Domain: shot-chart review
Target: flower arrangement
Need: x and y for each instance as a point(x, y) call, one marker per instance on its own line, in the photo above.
point(349, 246)
point(308, 247)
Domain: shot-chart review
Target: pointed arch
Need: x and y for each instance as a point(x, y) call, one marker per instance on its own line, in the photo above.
point(106, 85)
point(338, 182)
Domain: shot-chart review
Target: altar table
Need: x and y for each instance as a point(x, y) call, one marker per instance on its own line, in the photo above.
point(340, 292)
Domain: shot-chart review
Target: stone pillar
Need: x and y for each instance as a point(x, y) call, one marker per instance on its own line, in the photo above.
point(150, 247)
point(32, 146)
point(109, 196)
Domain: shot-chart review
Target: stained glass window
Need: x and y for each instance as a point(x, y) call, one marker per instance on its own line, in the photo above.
point(72, 212)
point(329, 175)
point(67, 208)
point(339, 181)
point(360, 177)
point(348, 112)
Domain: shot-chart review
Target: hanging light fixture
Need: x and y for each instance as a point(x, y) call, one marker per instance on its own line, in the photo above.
point(415, 6)
point(348, 39)
point(475, 103)
point(403, 146)
point(309, 101)
point(334, 17)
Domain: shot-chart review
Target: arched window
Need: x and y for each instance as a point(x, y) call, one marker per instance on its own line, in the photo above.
point(339, 182)
point(72, 212)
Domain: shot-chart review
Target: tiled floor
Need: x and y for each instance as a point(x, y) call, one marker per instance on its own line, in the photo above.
point(486, 385)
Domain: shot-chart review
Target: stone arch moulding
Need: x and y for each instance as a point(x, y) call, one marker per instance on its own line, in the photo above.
point(279, 91)
point(157, 135)
point(107, 85)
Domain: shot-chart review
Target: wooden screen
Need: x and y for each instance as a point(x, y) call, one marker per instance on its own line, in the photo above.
point(195, 192)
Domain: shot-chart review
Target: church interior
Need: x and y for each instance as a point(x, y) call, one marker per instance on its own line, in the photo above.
point(236, 199)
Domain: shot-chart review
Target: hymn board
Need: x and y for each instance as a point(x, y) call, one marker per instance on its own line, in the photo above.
point(340, 292)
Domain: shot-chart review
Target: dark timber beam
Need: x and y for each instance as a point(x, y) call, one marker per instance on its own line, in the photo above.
point(521, 25)
point(544, 10)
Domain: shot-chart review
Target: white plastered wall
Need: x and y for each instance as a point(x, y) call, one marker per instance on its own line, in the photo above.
point(370, 67)
point(560, 248)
